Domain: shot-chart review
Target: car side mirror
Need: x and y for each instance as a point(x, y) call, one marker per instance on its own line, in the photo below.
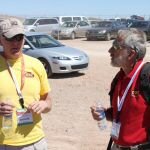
point(26, 47)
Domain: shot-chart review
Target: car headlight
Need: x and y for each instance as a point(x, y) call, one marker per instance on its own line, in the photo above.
point(103, 31)
point(61, 58)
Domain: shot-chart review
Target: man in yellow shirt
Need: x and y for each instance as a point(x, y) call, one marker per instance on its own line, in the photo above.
point(24, 92)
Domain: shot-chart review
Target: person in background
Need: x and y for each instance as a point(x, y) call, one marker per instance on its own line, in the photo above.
point(130, 108)
point(24, 92)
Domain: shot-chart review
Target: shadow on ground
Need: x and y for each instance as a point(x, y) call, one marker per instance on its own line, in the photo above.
point(67, 75)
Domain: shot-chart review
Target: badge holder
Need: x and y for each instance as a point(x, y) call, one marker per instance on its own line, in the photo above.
point(24, 117)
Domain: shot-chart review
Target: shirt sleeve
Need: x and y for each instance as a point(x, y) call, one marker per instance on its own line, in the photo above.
point(45, 86)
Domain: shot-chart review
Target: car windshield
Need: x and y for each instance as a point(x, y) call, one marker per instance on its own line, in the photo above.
point(69, 24)
point(138, 24)
point(103, 24)
point(43, 41)
point(29, 21)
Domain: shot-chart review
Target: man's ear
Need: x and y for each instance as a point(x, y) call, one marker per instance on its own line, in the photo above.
point(132, 54)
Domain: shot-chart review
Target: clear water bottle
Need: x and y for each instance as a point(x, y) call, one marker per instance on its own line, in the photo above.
point(102, 123)
point(7, 121)
point(7, 126)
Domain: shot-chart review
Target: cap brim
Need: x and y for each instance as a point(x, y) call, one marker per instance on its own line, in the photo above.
point(12, 32)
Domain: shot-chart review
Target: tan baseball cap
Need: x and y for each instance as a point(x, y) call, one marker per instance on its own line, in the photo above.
point(11, 27)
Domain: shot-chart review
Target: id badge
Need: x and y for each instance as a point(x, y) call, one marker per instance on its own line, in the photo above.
point(115, 130)
point(24, 117)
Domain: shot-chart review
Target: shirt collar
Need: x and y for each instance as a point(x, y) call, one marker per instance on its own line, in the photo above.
point(132, 71)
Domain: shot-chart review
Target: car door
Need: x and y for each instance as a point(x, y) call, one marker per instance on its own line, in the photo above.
point(40, 25)
point(81, 28)
point(46, 25)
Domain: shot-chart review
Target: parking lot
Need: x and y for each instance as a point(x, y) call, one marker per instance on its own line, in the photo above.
point(69, 126)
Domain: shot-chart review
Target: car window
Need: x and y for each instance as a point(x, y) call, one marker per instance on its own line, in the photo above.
point(69, 24)
point(76, 18)
point(115, 24)
point(103, 24)
point(52, 21)
point(29, 21)
point(85, 19)
point(64, 19)
point(43, 41)
point(41, 21)
point(83, 23)
point(47, 21)
point(139, 24)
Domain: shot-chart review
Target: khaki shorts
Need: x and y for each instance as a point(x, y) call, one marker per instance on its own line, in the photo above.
point(40, 145)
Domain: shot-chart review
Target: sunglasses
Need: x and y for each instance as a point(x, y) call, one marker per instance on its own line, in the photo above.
point(17, 38)
point(117, 46)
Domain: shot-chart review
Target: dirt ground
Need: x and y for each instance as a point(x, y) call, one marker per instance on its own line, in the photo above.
point(70, 126)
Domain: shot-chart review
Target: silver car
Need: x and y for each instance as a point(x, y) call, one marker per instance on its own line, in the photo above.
point(56, 57)
point(45, 25)
point(71, 29)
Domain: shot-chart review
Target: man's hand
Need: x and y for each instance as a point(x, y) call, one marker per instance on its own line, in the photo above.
point(95, 114)
point(6, 108)
point(38, 106)
point(108, 113)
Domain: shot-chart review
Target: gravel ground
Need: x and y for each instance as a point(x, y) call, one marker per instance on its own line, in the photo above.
point(70, 126)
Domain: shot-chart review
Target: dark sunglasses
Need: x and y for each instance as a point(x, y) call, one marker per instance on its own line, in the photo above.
point(117, 46)
point(17, 38)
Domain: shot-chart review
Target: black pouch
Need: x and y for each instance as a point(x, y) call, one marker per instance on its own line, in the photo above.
point(144, 146)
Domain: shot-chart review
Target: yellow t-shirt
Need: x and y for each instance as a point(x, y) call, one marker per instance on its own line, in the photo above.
point(35, 84)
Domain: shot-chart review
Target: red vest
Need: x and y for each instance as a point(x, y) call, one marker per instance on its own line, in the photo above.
point(135, 113)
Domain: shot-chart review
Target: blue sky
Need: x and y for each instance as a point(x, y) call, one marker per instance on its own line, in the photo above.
point(101, 8)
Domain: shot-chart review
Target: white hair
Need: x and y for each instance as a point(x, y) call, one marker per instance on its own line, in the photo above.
point(134, 39)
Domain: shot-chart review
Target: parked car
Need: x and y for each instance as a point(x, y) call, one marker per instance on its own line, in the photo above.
point(93, 23)
point(127, 22)
point(71, 29)
point(41, 24)
point(136, 17)
point(142, 25)
point(104, 30)
point(56, 57)
point(63, 19)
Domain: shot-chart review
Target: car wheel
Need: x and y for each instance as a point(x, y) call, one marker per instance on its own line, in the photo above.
point(47, 67)
point(73, 36)
point(108, 37)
